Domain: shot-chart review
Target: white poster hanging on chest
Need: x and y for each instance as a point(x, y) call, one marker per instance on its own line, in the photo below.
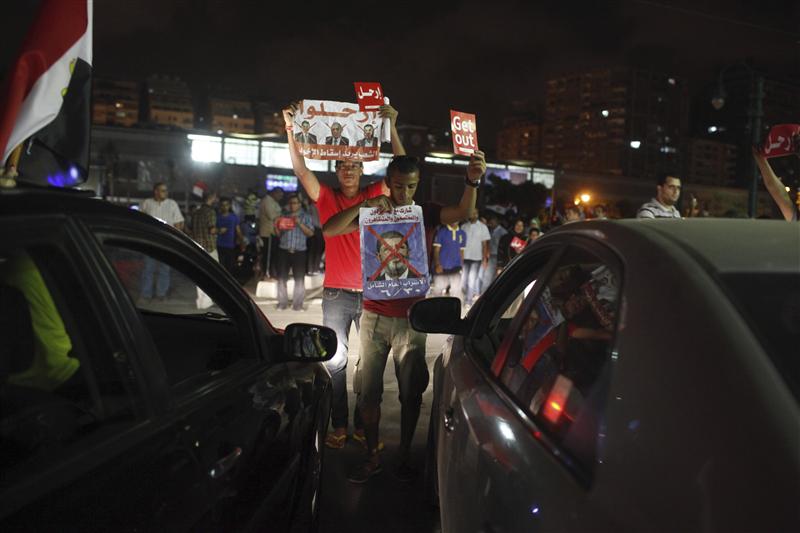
point(394, 259)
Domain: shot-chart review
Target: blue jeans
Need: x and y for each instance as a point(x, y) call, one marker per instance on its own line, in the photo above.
point(162, 282)
point(472, 273)
point(340, 309)
point(489, 273)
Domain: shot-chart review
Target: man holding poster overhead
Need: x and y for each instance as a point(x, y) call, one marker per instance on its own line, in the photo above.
point(385, 325)
point(341, 297)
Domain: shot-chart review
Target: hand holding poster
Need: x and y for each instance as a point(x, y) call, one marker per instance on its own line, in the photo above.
point(338, 130)
point(369, 95)
point(285, 223)
point(465, 132)
point(394, 260)
point(783, 139)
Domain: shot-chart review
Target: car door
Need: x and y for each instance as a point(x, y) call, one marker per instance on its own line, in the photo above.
point(525, 430)
point(80, 450)
point(248, 420)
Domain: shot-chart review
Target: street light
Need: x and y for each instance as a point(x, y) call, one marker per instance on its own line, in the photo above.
point(755, 111)
point(585, 198)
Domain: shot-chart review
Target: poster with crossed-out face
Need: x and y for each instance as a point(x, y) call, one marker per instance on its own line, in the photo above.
point(394, 260)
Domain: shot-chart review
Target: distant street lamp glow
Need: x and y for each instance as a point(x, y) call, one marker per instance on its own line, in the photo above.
point(585, 198)
point(712, 129)
point(604, 112)
point(788, 189)
point(636, 144)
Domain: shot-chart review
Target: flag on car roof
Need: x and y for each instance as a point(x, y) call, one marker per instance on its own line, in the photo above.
point(45, 97)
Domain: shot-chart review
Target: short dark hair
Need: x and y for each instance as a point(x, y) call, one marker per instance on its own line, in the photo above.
point(224, 199)
point(402, 164)
point(292, 196)
point(661, 177)
point(158, 184)
point(388, 235)
point(275, 189)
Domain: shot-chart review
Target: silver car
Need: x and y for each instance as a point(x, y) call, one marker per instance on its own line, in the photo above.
point(625, 376)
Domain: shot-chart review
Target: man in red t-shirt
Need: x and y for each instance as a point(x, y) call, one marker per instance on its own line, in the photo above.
point(341, 298)
point(385, 325)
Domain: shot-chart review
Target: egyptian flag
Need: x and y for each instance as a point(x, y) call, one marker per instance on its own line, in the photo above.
point(44, 101)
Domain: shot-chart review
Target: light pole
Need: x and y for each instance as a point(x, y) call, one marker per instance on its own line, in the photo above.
point(755, 112)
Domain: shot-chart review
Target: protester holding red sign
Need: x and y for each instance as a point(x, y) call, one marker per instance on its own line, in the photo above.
point(386, 325)
point(782, 140)
point(294, 229)
point(341, 297)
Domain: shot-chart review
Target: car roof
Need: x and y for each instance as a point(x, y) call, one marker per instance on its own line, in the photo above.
point(49, 201)
point(727, 245)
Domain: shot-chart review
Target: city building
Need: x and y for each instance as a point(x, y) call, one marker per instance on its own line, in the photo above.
point(712, 162)
point(617, 121)
point(168, 102)
point(269, 119)
point(519, 139)
point(228, 115)
point(115, 102)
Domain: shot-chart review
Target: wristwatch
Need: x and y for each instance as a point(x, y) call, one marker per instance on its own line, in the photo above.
point(471, 183)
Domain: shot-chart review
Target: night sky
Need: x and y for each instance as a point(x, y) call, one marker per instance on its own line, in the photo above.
point(429, 56)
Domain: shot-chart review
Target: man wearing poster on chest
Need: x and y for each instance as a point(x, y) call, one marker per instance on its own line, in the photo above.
point(393, 223)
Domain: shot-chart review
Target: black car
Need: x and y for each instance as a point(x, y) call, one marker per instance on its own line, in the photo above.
point(124, 412)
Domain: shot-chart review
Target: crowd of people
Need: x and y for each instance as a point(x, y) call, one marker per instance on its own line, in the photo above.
point(467, 249)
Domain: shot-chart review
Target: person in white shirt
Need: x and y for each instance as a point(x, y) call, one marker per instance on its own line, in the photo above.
point(668, 190)
point(167, 211)
point(476, 254)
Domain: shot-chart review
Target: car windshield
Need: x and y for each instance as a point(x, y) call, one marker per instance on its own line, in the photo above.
point(771, 302)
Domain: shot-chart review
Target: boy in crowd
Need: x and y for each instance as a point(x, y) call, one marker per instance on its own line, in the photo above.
point(385, 325)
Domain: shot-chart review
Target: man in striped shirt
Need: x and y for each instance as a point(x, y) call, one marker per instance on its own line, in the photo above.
point(668, 191)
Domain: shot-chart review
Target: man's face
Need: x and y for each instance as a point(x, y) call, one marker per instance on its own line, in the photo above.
point(669, 193)
point(396, 267)
point(212, 198)
point(224, 207)
point(294, 205)
point(402, 187)
point(491, 223)
point(336, 131)
point(349, 173)
point(305, 125)
point(160, 193)
point(519, 226)
point(573, 215)
point(277, 195)
point(368, 132)
point(473, 215)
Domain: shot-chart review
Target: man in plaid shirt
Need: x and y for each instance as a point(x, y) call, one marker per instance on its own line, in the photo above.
point(204, 225)
point(293, 228)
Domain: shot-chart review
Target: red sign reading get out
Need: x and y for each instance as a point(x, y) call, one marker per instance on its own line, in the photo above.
point(465, 132)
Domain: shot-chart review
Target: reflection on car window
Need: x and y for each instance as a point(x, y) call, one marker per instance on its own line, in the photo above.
point(559, 353)
point(58, 381)
point(193, 334)
point(155, 286)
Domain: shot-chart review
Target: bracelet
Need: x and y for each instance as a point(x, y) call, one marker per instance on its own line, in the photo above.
point(289, 127)
point(474, 184)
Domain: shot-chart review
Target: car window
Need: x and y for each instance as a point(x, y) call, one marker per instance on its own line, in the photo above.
point(195, 335)
point(505, 305)
point(61, 384)
point(556, 354)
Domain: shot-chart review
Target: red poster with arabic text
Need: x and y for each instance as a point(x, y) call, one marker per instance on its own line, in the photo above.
point(783, 139)
point(369, 94)
point(465, 132)
point(285, 223)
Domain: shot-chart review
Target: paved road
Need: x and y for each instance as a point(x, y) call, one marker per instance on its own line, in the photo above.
point(383, 503)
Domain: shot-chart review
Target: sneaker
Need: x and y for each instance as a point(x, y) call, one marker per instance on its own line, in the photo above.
point(364, 471)
point(332, 440)
point(405, 473)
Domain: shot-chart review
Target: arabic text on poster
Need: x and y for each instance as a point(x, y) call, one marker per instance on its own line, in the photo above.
point(369, 95)
point(783, 139)
point(394, 259)
point(338, 130)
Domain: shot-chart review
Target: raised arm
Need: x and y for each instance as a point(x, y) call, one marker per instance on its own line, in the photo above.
point(347, 221)
point(387, 111)
point(475, 171)
point(307, 178)
point(774, 186)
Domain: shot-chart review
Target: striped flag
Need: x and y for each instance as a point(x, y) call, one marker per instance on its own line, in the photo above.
point(45, 97)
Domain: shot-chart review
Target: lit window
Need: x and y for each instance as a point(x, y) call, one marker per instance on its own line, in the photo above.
point(241, 152)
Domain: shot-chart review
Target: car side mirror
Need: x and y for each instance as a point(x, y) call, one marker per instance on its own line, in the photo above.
point(438, 315)
point(308, 343)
